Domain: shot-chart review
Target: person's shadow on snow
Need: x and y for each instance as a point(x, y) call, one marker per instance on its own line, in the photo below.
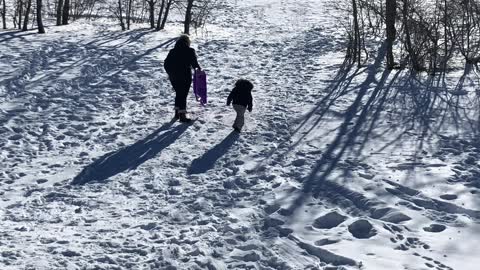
point(207, 161)
point(130, 157)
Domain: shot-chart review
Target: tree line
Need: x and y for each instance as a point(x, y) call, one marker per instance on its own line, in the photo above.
point(422, 35)
point(26, 14)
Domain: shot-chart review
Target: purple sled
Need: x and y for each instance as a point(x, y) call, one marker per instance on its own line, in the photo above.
point(200, 86)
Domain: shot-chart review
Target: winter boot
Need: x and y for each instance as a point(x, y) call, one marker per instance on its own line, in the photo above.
point(183, 118)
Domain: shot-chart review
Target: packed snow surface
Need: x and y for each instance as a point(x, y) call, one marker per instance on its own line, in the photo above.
point(338, 167)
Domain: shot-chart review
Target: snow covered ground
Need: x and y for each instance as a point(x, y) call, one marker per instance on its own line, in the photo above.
point(338, 167)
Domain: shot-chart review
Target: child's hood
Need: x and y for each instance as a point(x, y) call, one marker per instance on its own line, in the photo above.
point(244, 85)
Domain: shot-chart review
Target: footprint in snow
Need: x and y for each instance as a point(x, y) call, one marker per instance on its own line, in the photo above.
point(41, 181)
point(449, 197)
point(435, 228)
point(15, 137)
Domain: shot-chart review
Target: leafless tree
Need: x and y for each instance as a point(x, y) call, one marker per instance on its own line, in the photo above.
point(188, 17)
point(4, 14)
point(19, 11)
point(59, 12)
point(27, 14)
point(66, 12)
point(119, 14)
point(391, 32)
point(197, 12)
point(163, 13)
point(129, 13)
point(431, 33)
point(356, 42)
point(41, 29)
point(151, 12)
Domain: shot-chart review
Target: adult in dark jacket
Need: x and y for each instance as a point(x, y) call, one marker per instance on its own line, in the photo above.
point(178, 64)
point(241, 97)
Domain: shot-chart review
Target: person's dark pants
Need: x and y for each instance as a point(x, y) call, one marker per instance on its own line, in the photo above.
point(181, 87)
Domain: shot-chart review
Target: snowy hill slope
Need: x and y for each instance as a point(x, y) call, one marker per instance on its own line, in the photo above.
point(338, 167)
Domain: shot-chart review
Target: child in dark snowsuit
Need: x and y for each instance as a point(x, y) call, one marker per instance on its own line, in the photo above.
point(241, 97)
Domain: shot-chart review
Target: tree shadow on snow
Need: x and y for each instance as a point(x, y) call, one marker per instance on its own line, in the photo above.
point(130, 157)
point(388, 110)
point(208, 160)
point(6, 36)
point(355, 117)
point(92, 67)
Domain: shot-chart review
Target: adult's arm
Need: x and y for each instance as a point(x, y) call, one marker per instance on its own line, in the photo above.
point(250, 103)
point(167, 63)
point(230, 97)
point(195, 60)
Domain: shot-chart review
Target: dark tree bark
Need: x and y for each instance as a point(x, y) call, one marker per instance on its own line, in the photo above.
point(59, 12)
point(27, 14)
point(120, 15)
point(188, 17)
point(151, 11)
point(20, 12)
point(445, 23)
point(4, 14)
point(391, 14)
point(41, 29)
point(66, 12)
point(160, 13)
point(357, 50)
point(129, 13)
point(165, 16)
point(408, 39)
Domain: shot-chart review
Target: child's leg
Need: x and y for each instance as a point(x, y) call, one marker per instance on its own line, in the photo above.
point(240, 119)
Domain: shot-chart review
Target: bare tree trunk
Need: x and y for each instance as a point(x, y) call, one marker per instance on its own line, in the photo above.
point(129, 13)
point(165, 16)
point(59, 12)
point(160, 13)
point(120, 15)
point(408, 39)
point(20, 12)
point(27, 14)
point(66, 12)
point(188, 17)
point(468, 28)
point(435, 37)
point(445, 33)
point(14, 18)
point(4, 13)
point(41, 29)
point(356, 40)
point(391, 14)
point(151, 10)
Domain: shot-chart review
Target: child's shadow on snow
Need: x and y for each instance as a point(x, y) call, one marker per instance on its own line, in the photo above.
point(207, 161)
point(130, 157)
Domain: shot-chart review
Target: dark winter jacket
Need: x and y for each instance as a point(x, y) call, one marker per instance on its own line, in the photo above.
point(180, 61)
point(241, 94)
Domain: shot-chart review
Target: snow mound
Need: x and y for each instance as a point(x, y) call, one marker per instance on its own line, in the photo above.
point(389, 214)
